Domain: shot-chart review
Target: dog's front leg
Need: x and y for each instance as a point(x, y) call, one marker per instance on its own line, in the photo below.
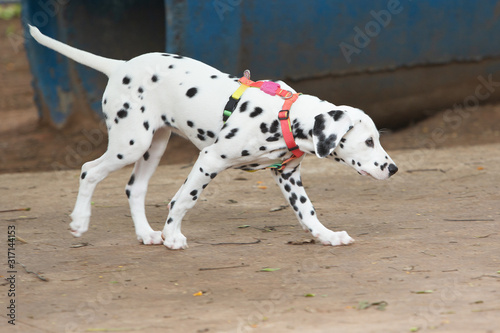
point(204, 170)
point(290, 183)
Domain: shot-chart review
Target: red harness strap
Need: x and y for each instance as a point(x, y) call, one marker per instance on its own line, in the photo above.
point(286, 127)
point(273, 89)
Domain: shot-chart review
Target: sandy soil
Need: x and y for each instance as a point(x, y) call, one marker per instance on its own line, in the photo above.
point(426, 256)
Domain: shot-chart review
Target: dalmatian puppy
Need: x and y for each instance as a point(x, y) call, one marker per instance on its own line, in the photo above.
point(156, 94)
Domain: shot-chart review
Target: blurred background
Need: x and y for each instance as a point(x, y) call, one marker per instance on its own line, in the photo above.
point(427, 72)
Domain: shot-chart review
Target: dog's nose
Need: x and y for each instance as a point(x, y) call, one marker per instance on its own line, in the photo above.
point(392, 169)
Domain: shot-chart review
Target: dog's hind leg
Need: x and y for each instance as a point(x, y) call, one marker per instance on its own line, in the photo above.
point(117, 156)
point(137, 187)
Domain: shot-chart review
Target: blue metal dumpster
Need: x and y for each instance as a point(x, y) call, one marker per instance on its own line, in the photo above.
point(396, 59)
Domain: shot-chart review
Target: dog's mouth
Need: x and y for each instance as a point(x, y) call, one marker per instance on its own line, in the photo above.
point(364, 173)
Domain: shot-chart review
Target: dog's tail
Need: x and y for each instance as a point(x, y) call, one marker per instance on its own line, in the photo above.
point(101, 64)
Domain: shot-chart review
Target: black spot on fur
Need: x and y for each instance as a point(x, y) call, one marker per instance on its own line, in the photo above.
point(126, 80)
point(146, 125)
point(127, 192)
point(146, 156)
point(122, 113)
point(105, 101)
point(223, 156)
point(131, 142)
point(178, 57)
point(140, 90)
point(84, 174)
point(126, 105)
point(210, 134)
point(319, 125)
point(154, 78)
point(120, 156)
point(190, 123)
point(303, 199)
point(143, 109)
point(116, 120)
point(193, 192)
point(298, 132)
point(263, 128)
point(257, 111)
point(170, 220)
point(245, 153)
point(171, 66)
point(231, 133)
point(336, 114)
point(288, 188)
point(272, 138)
point(244, 106)
point(191, 92)
point(213, 76)
point(201, 131)
point(213, 175)
point(201, 137)
point(262, 148)
point(131, 180)
point(274, 126)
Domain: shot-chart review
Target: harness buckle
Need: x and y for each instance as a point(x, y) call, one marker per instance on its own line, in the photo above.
point(286, 115)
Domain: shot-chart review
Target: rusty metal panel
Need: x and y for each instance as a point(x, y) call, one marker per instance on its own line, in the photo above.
point(305, 39)
point(390, 57)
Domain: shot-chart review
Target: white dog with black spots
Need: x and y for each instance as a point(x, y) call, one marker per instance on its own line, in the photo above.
point(150, 96)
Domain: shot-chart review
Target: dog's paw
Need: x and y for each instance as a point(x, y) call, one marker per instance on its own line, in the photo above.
point(333, 238)
point(175, 241)
point(78, 227)
point(150, 238)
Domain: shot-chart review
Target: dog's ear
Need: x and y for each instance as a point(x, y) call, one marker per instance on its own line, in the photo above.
point(329, 128)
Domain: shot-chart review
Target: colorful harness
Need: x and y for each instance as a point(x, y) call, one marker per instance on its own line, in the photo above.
point(273, 89)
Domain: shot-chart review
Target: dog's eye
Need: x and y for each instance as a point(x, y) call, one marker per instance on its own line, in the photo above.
point(369, 142)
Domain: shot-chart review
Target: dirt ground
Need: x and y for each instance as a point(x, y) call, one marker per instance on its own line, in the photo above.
point(426, 256)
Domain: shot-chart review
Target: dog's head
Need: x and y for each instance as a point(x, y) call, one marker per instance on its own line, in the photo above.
point(349, 136)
